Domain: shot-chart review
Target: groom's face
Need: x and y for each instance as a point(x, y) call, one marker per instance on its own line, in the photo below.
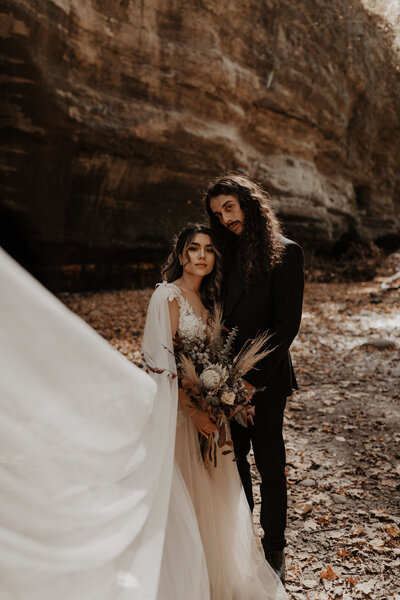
point(229, 213)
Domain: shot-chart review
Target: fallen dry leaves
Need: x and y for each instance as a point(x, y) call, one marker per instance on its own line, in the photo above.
point(341, 430)
point(329, 574)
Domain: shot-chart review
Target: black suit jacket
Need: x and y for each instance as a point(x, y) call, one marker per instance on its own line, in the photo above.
point(272, 304)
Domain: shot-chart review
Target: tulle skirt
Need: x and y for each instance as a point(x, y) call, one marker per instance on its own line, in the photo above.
point(237, 569)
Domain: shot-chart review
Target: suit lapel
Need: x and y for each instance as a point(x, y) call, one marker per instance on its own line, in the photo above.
point(234, 290)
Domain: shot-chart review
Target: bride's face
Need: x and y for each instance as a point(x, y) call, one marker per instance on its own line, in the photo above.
point(199, 257)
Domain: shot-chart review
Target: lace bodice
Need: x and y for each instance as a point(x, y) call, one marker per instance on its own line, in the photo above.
point(190, 325)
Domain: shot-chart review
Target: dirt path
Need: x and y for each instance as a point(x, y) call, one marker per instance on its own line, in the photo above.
point(342, 433)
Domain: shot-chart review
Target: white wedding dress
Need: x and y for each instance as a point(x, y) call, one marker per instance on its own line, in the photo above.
point(86, 461)
point(236, 566)
point(93, 505)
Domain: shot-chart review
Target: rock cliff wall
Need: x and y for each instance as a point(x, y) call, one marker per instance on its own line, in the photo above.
point(116, 113)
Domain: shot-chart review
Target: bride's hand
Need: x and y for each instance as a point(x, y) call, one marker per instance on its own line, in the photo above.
point(202, 422)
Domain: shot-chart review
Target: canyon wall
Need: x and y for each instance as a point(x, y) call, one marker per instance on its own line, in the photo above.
point(117, 113)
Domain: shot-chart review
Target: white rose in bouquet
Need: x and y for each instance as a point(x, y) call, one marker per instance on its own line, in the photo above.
point(213, 377)
point(228, 398)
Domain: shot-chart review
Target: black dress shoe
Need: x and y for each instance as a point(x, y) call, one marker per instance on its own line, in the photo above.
point(276, 559)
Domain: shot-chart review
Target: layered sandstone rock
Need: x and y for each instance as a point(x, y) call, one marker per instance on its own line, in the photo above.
point(117, 113)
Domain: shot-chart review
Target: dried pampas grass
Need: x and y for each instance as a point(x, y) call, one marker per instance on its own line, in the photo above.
point(216, 326)
point(188, 370)
point(251, 354)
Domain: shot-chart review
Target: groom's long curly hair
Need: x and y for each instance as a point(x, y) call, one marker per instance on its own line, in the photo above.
point(259, 248)
point(172, 269)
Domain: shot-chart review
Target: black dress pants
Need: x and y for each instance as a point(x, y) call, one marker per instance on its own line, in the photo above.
point(270, 458)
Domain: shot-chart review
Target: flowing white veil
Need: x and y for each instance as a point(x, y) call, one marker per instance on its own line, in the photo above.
point(86, 456)
point(184, 571)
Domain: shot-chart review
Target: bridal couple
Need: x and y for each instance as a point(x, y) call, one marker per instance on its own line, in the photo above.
point(107, 494)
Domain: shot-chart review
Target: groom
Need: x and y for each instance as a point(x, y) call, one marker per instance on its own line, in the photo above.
point(262, 291)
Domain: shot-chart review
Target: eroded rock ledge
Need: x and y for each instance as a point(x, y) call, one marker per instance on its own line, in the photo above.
point(117, 113)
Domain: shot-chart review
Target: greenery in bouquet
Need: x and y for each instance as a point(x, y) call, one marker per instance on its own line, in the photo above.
point(213, 378)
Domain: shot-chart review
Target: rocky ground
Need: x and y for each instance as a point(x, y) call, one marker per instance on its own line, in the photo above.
point(341, 429)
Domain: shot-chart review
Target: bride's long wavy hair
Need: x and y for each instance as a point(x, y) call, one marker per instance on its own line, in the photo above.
point(172, 269)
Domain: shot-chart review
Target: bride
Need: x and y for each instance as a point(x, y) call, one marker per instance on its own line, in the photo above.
point(94, 506)
point(235, 565)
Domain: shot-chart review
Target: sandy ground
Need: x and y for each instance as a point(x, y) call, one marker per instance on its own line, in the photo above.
point(341, 430)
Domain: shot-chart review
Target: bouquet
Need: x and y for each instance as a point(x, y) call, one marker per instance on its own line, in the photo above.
point(213, 378)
